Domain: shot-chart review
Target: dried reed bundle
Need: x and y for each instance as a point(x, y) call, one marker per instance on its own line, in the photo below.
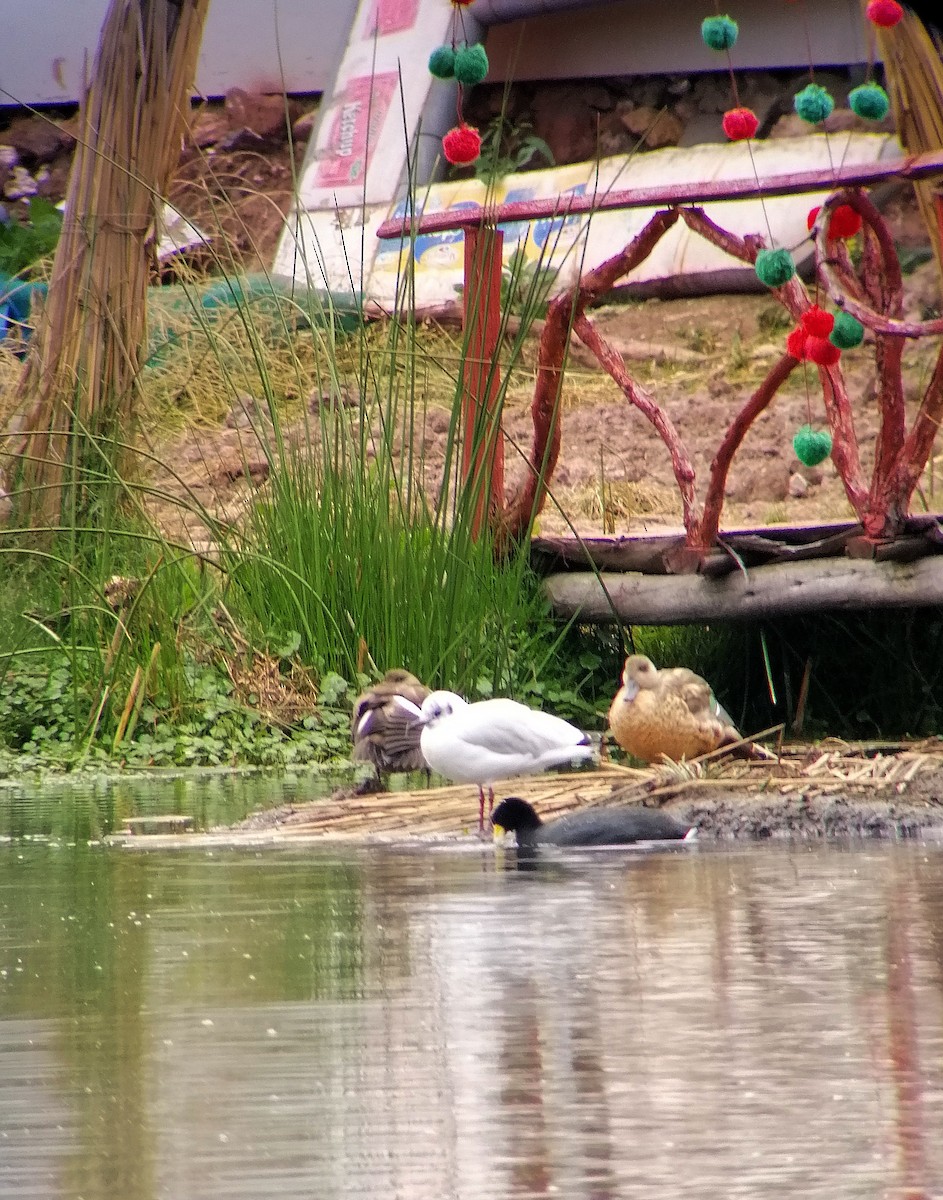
point(81, 377)
point(914, 73)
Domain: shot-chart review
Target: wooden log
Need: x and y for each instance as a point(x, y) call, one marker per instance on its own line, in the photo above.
point(642, 553)
point(899, 549)
point(647, 552)
point(757, 547)
point(686, 560)
point(780, 589)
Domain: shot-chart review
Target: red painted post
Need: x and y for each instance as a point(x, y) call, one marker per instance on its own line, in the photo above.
point(482, 439)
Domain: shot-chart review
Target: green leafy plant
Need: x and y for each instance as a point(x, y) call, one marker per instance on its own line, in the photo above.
point(508, 146)
point(526, 286)
point(22, 244)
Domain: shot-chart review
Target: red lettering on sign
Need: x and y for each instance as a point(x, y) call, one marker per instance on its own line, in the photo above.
point(361, 111)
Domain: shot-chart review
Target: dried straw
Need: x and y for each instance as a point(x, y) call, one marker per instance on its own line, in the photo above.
point(82, 375)
point(914, 72)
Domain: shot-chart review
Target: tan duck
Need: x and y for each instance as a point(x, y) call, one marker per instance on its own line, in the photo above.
point(382, 731)
point(667, 714)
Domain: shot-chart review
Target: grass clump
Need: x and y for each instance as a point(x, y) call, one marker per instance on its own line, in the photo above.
point(353, 554)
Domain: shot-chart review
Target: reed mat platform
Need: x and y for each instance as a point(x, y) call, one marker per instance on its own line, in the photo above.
point(831, 787)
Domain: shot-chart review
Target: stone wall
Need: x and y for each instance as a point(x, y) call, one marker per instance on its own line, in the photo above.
point(580, 120)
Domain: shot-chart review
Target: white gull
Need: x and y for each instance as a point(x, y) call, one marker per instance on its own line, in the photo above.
point(493, 739)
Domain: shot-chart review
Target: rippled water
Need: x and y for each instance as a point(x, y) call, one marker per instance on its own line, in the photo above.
point(434, 1022)
point(87, 806)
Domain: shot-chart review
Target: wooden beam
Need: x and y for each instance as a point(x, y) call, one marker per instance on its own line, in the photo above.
point(482, 438)
point(914, 167)
point(781, 589)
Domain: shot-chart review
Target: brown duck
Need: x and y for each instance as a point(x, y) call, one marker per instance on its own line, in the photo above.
point(671, 713)
point(384, 733)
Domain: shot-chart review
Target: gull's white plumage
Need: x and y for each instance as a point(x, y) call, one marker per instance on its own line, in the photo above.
point(494, 739)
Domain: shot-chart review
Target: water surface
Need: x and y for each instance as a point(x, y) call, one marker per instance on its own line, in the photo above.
point(434, 1022)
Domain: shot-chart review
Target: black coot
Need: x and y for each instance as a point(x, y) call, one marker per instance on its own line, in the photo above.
point(591, 827)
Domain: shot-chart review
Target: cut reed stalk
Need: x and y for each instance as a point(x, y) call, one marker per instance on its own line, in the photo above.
point(81, 378)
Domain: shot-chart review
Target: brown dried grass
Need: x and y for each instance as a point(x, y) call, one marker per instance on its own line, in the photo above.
point(913, 69)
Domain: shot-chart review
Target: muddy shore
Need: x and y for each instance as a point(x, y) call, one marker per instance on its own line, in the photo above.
point(824, 791)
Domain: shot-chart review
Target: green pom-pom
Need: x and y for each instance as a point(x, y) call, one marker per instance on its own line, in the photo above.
point(774, 267)
point(847, 332)
point(719, 33)
point(812, 446)
point(442, 62)
point(813, 104)
point(870, 102)
point(471, 64)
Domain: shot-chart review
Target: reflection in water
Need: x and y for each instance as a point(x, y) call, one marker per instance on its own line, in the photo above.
point(86, 806)
point(423, 1022)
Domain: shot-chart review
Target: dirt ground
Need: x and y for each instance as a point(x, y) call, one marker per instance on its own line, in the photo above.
point(700, 358)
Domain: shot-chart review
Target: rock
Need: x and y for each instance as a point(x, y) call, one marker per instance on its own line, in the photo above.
point(438, 420)
point(614, 138)
point(656, 127)
point(648, 91)
point(678, 85)
point(254, 118)
point(37, 139)
point(812, 476)
point(53, 180)
point(246, 413)
point(208, 127)
point(768, 481)
point(711, 92)
point(328, 400)
point(842, 120)
point(234, 466)
point(20, 184)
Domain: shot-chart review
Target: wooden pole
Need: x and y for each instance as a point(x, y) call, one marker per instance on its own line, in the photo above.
point(482, 439)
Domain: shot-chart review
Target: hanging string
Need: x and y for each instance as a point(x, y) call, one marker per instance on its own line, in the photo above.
point(467, 64)
point(720, 32)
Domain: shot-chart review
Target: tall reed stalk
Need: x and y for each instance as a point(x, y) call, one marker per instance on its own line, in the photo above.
point(84, 369)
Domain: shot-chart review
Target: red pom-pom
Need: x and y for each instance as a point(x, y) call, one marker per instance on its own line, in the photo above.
point(462, 145)
point(845, 221)
point(740, 124)
point(462, 3)
point(883, 12)
point(820, 350)
point(795, 343)
point(817, 322)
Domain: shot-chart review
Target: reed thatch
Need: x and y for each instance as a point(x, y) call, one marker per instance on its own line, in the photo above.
point(831, 787)
point(80, 380)
point(914, 74)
